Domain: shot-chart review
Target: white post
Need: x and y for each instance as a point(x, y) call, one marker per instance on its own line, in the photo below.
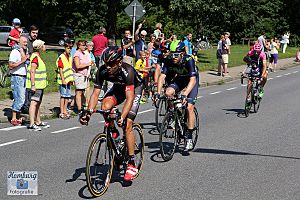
point(133, 20)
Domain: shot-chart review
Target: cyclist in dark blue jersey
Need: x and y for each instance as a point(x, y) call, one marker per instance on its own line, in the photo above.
point(181, 72)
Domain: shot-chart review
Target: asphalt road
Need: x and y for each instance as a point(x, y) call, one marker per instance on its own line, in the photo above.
point(235, 158)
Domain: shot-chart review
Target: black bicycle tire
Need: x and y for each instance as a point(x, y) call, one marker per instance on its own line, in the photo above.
point(88, 160)
point(197, 127)
point(161, 102)
point(141, 135)
point(164, 125)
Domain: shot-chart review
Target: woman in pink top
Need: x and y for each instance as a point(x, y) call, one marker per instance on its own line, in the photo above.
point(81, 63)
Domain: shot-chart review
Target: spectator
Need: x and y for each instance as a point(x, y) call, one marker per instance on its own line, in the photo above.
point(225, 57)
point(140, 67)
point(274, 54)
point(219, 55)
point(226, 36)
point(37, 81)
point(100, 43)
point(298, 56)
point(15, 33)
point(81, 64)
point(17, 68)
point(92, 68)
point(33, 33)
point(157, 31)
point(65, 79)
point(262, 40)
point(285, 41)
point(127, 46)
point(140, 44)
point(188, 44)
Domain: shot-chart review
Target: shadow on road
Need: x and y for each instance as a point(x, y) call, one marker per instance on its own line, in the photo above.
point(151, 127)
point(239, 112)
point(227, 152)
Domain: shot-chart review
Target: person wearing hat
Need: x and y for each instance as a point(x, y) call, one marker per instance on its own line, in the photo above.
point(36, 80)
point(140, 44)
point(15, 33)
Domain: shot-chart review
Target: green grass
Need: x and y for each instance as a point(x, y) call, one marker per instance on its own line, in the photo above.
point(207, 61)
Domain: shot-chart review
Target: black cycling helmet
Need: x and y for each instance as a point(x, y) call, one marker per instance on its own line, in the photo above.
point(177, 46)
point(112, 55)
point(165, 46)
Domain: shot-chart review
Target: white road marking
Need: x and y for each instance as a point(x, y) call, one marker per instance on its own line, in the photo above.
point(12, 142)
point(68, 129)
point(12, 128)
point(295, 72)
point(279, 76)
point(233, 88)
point(146, 111)
point(270, 78)
point(244, 85)
point(287, 74)
point(199, 97)
point(215, 92)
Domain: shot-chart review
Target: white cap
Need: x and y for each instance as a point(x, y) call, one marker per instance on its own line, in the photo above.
point(37, 44)
point(16, 21)
point(143, 32)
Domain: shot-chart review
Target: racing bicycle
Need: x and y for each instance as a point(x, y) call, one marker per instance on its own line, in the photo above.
point(106, 153)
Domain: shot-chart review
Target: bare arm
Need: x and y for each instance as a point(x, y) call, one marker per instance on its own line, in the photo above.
point(14, 39)
point(136, 35)
point(62, 76)
point(190, 86)
point(160, 82)
point(12, 65)
point(94, 98)
point(78, 65)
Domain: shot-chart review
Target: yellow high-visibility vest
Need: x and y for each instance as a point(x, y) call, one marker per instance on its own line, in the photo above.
point(40, 73)
point(67, 70)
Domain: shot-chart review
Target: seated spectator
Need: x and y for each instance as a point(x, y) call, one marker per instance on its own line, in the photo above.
point(65, 79)
point(298, 56)
point(17, 66)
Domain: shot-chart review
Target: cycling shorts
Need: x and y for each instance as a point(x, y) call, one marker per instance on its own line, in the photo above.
point(180, 82)
point(117, 94)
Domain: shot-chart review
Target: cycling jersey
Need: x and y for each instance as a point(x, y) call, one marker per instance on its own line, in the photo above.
point(156, 56)
point(256, 69)
point(126, 76)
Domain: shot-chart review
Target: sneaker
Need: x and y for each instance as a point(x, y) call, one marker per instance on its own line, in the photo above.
point(43, 125)
point(189, 145)
point(34, 127)
point(16, 122)
point(131, 172)
point(261, 93)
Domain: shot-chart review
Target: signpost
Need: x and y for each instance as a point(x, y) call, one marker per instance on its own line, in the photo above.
point(135, 10)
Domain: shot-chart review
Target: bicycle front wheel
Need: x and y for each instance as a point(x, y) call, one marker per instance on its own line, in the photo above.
point(160, 112)
point(196, 129)
point(99, 165)
point(139, 147)
point(168, 136)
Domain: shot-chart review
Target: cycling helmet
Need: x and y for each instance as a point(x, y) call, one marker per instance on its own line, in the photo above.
point(257, 47)
point(112, 55)
point(165, 46)
point(177, 46)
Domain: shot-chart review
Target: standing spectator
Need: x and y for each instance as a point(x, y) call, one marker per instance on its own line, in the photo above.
point(37, 81)
point(140, 44)
point(298, 56)
point(262, 40)
point(284, 41)
point(140, 67)
point(81, 64)
point(188, 44)
point(228, 41)
point(17, 68)
point(225, 57)
point(91, 70)
point(127, 46)
point(157, 31)
point(100, 43)
point(33, 33)
point(65, 79)
point(274, 54)
point(219, 55)
point(15, 33)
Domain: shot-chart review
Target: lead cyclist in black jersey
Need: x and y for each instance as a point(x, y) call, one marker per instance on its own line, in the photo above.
point(180, 71)
point(127, 86)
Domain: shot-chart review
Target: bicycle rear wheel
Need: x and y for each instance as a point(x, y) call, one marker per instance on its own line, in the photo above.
point(139, 147)
point(160, 112)
point(257, 104)
point(168, 137)
point(196, 129)
point(248, 105)
point(99, 165)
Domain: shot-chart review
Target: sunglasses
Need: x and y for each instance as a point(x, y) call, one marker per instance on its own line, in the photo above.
point(175, 55)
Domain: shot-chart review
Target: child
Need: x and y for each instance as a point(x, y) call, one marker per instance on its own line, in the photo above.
point(65, 79)
point(140, 67)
